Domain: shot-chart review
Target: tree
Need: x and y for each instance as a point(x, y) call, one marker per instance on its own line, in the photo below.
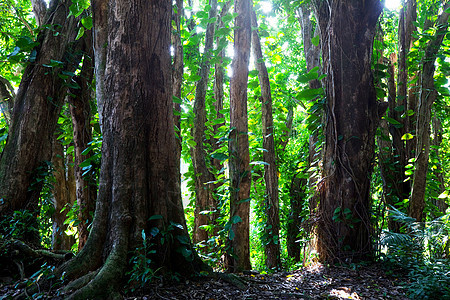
point(138, 193)
point(426, 98)
point(272, 205)
point(36, 109)
point(347, 30)
point(239, 158)
point(80, 109)
point(204, 197)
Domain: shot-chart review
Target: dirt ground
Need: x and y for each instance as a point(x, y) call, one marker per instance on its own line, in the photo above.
point(313, 282)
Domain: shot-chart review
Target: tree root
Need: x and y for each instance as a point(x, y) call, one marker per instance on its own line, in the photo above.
point(229, 278)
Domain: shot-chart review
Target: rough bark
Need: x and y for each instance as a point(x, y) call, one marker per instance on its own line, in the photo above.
point(347, 30)
point(39, 11)
point(297, 197)
point(204, 196)
point(177, 73)
point(7, 96)
point(426, 98)
point(36, 110)
point(272, 244)
point(440, 204)
point(140, 191)
point(62, 197)
point(80, 109)
point(239, 158)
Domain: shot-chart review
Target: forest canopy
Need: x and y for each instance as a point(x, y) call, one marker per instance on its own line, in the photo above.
point(152, 139)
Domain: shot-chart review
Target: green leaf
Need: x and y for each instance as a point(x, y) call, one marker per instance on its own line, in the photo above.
point(183, 239)
point(231, 235)
point(313, 74)
point(154, 231)
point(315, 40)
point(407, 136)
point(235, 219)
point(191, 143)
point(259, 163)
point(155, 217)
point(392, 121)
point(219, 156)
point(87, 22)
point(177, 225)
point(80, 33)
point(143, 234)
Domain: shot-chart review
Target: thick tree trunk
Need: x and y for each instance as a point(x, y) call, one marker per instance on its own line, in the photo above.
point(80, 110)
point(426, 99)
point(36, 110)
point(204, 196)
point(347, 33)
point(272, 245)
point(239, 158)
point(138, 192)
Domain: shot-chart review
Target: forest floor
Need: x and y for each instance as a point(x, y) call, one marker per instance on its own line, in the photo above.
point(314, 282)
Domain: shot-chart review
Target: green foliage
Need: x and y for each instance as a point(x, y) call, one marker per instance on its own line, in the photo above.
point(422, 251)
point(142, 272)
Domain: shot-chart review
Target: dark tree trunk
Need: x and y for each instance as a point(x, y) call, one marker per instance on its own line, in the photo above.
point(140, 191)
point(239, 158)
point(204, 196)
point(36, 110)
point(297, 197)
point(347, 31)
point(272, 209)
point(426, 98)
point(80, 110)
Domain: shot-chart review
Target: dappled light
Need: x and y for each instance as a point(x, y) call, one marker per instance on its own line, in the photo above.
point(215, 149)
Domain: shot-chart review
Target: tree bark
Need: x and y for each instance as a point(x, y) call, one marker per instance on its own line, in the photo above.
point(139, 192)
point(204, 196)
point(36, 110)
point(347, 30)
point(62, 197)
point(239, 155)
point(440, 204)
point(272, 205)
point(427, 96)
point(177, 74)
point(7, 96)
point(80, 110)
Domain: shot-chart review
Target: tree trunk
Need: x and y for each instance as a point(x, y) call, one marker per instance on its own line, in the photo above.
point(440, 204)
point(7, 96)
point(36, 110)
point(347, 31)
point(80, 109)
point(62, 197)
point(272, 206)
point(239, 158)
point(139, 192)
point(204, 196)
point(177, 73)
point(426, 99)
point(297, 197)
